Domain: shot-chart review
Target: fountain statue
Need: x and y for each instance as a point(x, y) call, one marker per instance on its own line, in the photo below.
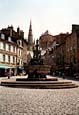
point(36, 56)
point(36, 69)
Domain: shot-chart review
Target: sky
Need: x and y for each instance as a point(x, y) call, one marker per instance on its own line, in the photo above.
point(56, 16)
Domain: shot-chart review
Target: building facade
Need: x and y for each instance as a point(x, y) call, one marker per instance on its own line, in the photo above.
point(8, 53)
point(72, 49)
point(66, 52)
point(46, 40)
point(12, 50)
point(24, 54)
point(46, 45)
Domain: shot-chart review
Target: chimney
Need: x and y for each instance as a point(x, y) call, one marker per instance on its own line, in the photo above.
point(10, 29)
point(75, 28)
point(18, 31)
point(21, 33)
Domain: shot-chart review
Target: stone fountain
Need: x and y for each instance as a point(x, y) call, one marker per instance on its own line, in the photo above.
point(36, 70)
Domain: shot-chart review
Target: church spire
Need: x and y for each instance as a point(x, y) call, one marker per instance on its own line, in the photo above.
point(30, 37)
point(30, 28)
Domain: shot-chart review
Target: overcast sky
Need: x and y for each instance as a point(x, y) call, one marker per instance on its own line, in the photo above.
point(54, 15)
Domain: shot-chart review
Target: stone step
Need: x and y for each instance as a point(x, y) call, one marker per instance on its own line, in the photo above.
point(37, 82)
point(39, 85)
point(36, 79)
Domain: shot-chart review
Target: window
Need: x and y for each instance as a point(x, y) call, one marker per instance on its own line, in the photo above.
point(2, 36)
point(4, 46)
point(9, 59)
point(9, 47)
point(13, 48)
point(21, 62)
point(19, 42)
point(3, 58)
point(9, 39)
point(18, 63)
point(19, 52)
point(13, 59)
point(6, 58)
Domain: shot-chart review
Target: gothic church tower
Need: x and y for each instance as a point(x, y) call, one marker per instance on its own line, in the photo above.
point(30, 38)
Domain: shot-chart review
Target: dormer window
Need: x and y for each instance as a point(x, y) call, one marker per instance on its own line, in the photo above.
point(2, 36)
point(9, 39)
point(19, 42)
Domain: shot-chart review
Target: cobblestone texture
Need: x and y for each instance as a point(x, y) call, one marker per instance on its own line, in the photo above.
point(39, 102)
point(18, 101)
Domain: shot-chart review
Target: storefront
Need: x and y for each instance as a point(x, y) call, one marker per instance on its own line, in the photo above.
point(3, 70)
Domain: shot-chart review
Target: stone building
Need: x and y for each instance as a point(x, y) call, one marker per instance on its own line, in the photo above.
point(11, 50)
point(72, 51)
point(60, 51)
point(45, 41)
point(46, 44)
point(66, 52)
point(57, 53)
point(8, 51)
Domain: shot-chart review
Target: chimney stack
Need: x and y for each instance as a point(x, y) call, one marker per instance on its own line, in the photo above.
point(18, 31)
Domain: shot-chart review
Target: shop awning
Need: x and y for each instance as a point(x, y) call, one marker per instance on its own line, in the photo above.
point(4, 66)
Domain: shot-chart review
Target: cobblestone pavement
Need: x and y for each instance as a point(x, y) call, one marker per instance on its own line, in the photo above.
point(18, 101)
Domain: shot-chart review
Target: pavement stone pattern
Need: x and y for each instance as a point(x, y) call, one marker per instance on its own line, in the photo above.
point(19, 101)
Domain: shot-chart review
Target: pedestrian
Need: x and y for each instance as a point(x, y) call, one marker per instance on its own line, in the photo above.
point(11, 73)
point(8, 74)
point(63, 75)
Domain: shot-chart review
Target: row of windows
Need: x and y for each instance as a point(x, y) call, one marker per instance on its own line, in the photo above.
point(3, 37)
point(19, 42)
point(7, 47)
point(7, 58)
point(10, 48)
point(71, 49)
